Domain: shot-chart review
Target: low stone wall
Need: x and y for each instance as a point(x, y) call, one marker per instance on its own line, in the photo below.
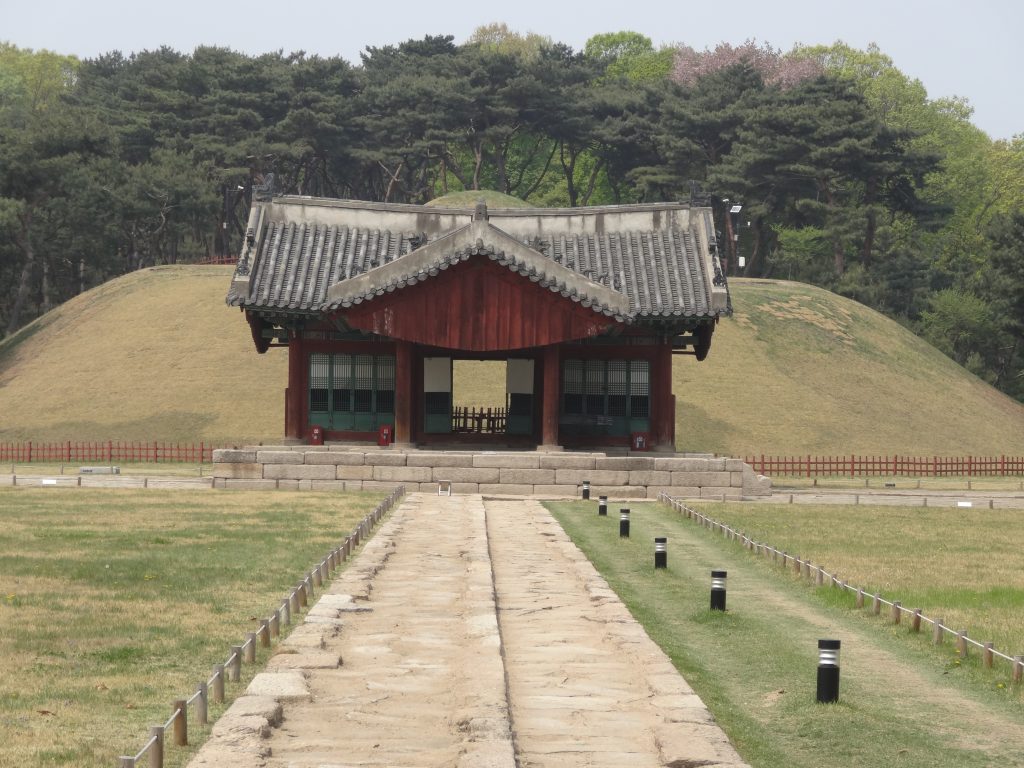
point(527, 473)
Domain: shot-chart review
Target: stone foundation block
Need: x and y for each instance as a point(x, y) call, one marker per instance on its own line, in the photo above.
point(250, 485)
point(554, 491)
point(281, 686)
point(679, 464)
point(218, 482)
point(402, 474)
point(628, 463)
point(233, 456)
point(618, 492)
point(510, 489)
point(385, 459)
point(465, 488)
point(720, 479)
point(327, 485)
point(376, 485)
point(279, 457)
point(734, 465)
point(649, 477)
point(299, 472)
point(565, 461)
point(287, 485)
point(325, 457)
point(466, 474)
point(360, 472)
point(347, 458)
point(527, 476)
point(439, 460)
point(246, 471)
point(736, 479)
point(604, 477)
point(507, 460)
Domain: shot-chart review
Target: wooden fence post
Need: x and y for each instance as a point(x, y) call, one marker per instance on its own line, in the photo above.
point(937, 632)
point(218, 683)
point(126, 761)
point(961, 643)
point(986, 656)
point(250, 648)
point(1018, 668)
point(235, 666)
point(915, 623)
point(286, 611)
point(860, 597)
point(264, 633)
point(275, 624)
point(876, 604)
point(202, 704)
point(896, 612)
point(156, 752)
point(180, 727)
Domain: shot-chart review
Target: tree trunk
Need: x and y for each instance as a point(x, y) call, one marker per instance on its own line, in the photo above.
point(45, 285)
point(25, 241)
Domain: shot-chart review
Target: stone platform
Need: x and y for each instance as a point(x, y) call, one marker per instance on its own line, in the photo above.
point(517, 473)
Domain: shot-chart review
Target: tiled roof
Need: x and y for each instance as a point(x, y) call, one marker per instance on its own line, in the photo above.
point(296, 263)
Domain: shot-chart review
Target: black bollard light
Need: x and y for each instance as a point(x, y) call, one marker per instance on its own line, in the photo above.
point(602, 506)
point(586, 490)
point(624, 523)
point(660, 552)
point(718, 590)
point(828, 671)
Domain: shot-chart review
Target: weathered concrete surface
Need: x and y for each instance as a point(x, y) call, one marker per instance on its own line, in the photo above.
point(587, 686)
point(423, 681)
point(429, 679)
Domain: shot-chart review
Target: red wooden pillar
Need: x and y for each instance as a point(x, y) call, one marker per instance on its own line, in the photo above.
point(663, 412)
point(403, 391)
point(295, 423)
point(549, 397)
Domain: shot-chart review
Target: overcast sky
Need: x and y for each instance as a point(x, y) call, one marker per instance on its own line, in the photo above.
point(969, 49)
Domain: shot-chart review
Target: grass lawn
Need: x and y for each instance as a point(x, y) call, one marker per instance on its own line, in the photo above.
point(754, 665)
point(965, 566)
point(114, 603)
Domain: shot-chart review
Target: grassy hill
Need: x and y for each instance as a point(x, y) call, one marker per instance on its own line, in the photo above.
point(156, 355)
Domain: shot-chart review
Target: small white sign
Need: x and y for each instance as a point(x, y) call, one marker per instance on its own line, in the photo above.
point(965, 503)
point(49, 481)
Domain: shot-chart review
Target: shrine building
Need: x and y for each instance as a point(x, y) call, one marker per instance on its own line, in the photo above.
point(375, 302)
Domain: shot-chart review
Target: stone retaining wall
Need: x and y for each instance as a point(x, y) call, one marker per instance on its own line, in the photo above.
point(536, 473)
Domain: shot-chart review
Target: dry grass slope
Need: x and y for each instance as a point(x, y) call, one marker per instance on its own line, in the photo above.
point(156, 355)
point(800, 370)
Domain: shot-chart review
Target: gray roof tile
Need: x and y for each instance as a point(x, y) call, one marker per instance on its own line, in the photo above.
point(657, 270)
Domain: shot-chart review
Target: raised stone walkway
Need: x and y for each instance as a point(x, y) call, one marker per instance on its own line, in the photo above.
point(472, 633)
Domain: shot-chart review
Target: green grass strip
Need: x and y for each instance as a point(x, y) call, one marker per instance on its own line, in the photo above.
point(755, 665)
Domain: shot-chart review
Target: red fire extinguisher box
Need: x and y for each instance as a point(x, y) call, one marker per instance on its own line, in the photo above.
point(384, 435)
point(316, 436)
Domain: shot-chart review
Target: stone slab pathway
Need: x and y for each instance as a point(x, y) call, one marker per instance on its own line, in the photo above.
point(469, 633)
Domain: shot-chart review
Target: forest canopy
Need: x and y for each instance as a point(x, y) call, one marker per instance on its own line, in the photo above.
point(849, 176)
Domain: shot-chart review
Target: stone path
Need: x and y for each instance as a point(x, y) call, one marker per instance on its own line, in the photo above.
point(468, 633)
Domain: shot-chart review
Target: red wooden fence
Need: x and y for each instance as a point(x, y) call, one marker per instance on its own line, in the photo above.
point(109, 451)
point(888, 466)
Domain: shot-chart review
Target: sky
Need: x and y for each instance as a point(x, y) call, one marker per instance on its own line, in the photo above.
point(971, 50)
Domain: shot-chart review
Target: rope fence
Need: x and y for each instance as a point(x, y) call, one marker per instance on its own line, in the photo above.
point(822, 577)
point(230, 670)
